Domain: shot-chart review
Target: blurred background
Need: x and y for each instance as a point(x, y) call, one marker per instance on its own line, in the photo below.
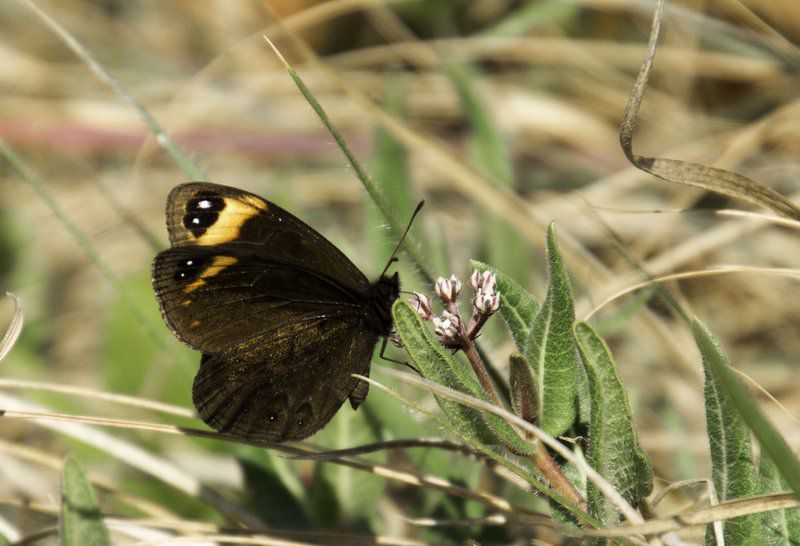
point(504, 115)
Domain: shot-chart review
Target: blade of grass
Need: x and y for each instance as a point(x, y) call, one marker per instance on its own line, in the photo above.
point(683, 172)
point(163, 139)
point(378, 196)
point(14, 328)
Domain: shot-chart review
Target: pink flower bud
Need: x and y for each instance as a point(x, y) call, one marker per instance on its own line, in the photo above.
point(486, 303)
point(456, 286)
point(421, 305)
point(448, 289)
point(445, 329)
point(475, 280)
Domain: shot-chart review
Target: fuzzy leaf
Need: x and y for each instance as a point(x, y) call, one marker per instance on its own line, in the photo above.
point(517, 306)
point(437, 364)
point(81, 521)
point(613, 441)
point(733, 469)
point(778, 527)
point(551, 348)
point(523, 388)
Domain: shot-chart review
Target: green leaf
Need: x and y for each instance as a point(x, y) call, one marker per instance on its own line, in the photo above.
point(778, 527)
point(437, 364)
point(733, 469)
point(770, 439)
point(523, 389)
point(274, 491)
point(503, 245)
point(613, 441)
point(551, 348)
point(81, 521)
point(517, 306)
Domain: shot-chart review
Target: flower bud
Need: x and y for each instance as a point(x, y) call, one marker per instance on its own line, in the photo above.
point(446, 289)
point(487, 303)
point(422, 305)
point(456, 286)
point(445, 328)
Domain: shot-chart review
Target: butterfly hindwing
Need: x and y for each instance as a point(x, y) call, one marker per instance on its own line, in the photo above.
point(287, 384)
point(214, 297)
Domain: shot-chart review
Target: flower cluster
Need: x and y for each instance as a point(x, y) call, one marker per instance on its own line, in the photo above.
point(448, 327)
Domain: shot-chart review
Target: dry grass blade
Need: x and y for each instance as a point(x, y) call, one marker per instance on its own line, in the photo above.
point(100, 395)
point(692, 174)
point(14, 329)
point(168, 473)
point(718, 512)
point(727, 270)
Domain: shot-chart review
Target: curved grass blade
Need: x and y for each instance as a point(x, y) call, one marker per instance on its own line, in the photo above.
point(437, 364)
point(81, 522)
point(517, 307)
point(14, 329)
point(683, 172)
point(551, 348)
point(778, 527)
point(613, 440)
point(733, 469)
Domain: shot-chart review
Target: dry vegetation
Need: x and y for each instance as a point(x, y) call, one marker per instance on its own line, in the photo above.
point(555, 80)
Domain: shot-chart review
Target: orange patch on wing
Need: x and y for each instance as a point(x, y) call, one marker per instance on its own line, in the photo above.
point(219, 263)
point(231, 219)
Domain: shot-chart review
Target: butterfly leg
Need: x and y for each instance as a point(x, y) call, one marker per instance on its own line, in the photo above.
point(403, 362)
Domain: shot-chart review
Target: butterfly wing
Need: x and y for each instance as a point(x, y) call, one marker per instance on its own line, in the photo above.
point(204, 214)
point(288, 383)
point(241, 265)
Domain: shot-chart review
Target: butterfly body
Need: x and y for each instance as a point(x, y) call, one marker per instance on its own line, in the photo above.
point(282, 317)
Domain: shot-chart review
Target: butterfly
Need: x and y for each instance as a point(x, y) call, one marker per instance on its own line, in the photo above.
point(282, 317)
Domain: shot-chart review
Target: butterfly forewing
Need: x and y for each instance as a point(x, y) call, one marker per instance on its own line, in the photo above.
point(202, 214)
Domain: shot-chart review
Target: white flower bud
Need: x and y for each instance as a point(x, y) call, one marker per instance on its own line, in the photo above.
point(421, 305)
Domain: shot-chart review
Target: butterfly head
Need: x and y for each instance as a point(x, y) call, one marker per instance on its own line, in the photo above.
point(382, 295)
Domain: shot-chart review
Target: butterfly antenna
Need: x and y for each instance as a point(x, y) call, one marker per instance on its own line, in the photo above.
point(394, 258)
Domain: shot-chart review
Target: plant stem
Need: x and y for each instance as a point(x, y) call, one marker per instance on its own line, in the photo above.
point(553, 474)
point(468, 346)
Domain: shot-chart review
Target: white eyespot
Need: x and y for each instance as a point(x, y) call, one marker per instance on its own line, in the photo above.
point(196, 220)
point(204, 204)
point(189, 262)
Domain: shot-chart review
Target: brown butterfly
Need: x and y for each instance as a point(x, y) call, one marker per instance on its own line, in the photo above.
point(281, 316)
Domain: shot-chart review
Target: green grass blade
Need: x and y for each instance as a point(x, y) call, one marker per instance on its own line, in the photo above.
point(378, 196)
point(551, 347)
point(81, 521)
point(437, 364)
point(778, 527)
point(517, 307)
point(733, 469)
point(613, 440)
point(532, 16)
point(503, 245)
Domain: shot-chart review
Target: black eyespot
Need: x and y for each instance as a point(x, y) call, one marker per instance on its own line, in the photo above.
point(202, 212)
point(187, 269)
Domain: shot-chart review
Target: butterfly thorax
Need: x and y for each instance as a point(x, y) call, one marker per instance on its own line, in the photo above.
point(381, 295)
